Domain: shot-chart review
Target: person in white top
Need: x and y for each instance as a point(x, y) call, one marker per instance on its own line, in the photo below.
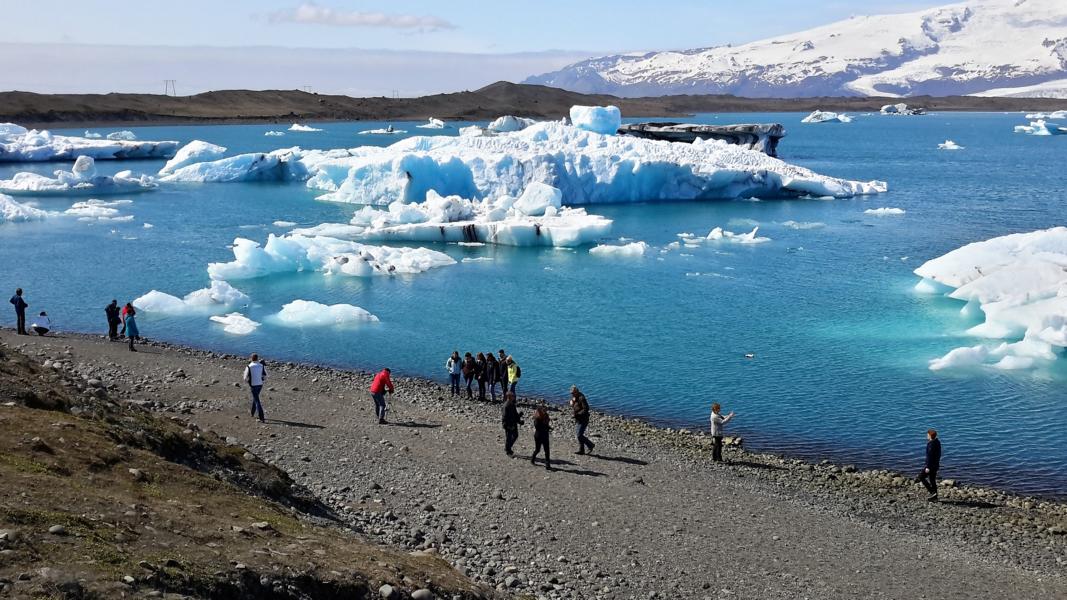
point(41, 324)
point(255, 375)
point(717, 422)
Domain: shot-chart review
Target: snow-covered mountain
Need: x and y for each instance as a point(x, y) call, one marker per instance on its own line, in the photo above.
point(966, 48)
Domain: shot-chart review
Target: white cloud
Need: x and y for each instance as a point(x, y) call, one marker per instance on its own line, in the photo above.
point(310, 13)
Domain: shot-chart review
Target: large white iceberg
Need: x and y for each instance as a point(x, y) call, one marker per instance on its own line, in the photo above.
point(1041, 127)
point(598, 119)
point(305, 313)
point(218, 296)
point(293, 253)
point(509, 123)
point(279, 165)
point(820, 116)
point(17, 144)
point(16, 212)
point(1018, 283)
point(196, 151)
point(82, 179)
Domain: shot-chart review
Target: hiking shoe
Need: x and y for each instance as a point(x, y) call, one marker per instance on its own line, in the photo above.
point(932, 498)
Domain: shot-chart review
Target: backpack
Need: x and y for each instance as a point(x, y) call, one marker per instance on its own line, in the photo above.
point(518, 371)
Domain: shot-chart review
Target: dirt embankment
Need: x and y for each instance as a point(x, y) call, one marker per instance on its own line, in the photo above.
point(104, 499)
point(501, 98)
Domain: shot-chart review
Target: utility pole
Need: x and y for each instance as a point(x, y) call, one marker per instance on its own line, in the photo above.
point(169, 87)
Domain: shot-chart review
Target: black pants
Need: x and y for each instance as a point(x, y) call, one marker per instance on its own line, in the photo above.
point(20, 322)
point(511, 435)
point(481, 390)
point(716, 449)
point(112, 328)
point(929, 481)
point(541, 442)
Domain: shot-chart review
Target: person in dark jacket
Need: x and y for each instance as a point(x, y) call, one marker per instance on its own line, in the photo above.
point(511, 420)
point(112, 311)
point(20, 312)
point(468, 373)
point(542, 427)
point(481, 375)
point(502, 370)
point(580, 407)
point(492, 374)
point(928, 476)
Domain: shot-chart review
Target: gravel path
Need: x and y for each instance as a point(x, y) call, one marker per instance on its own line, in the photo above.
point(647, 516)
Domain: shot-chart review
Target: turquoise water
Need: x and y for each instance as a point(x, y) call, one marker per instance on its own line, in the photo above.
point(841, 340)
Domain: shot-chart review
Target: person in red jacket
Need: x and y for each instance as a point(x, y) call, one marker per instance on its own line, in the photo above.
point(378, 387)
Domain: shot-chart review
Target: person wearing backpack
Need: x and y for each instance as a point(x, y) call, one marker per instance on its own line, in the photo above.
point(580, 407)
point(542, 428)
point(511, 420)
point(255, 374)
point(514, 373)
point(454, 365)
point(502, 371)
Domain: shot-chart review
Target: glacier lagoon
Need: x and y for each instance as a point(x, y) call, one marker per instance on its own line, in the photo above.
point(827, 306)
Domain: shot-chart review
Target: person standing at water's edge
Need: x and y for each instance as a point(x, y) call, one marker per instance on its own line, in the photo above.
point(381, 384)
point(928, 476)
point(481, 375)
point(502, 371)
point(511, 420)
point(514, 373)
point(454, 365)
point(20, 312)
point(542, 429)
point(492, 374)
point(717, 422)
point(468, 374)
point(113, 320)
point(130, 320)
point(580, 407)
point(255, 375)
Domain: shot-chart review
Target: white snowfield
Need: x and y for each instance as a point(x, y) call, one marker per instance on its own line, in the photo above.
point(433, 124)
point(820, 116)
point(219, 296)
point(17, 144)
point(196, 151)
point(18, 212)
point(1041, 127)
point(236, 323)
point(1018, 283)
point(305, 313)
point(534, 219)
point(81, 179)
point(303, 128)
point(964, 48)
point(508, 123)
point(294, 253)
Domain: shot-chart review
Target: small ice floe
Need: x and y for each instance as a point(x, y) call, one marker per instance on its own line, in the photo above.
point(1041, 127)
point(949, 145)
point(148, 226)
point(632, 250)
point(802, 225)
point(750, 355)
point(236, 323)
point(18, 144)
point(98, 210)
point(284, 224)
point(388, 130)
point(884, 211)
point(91, 135)
point(477, 259)
point(274, 133)
point(820, 116)
point(719, 234)
point(303, 128)
point(19, 212)
point(433, 124)
point(306, 313)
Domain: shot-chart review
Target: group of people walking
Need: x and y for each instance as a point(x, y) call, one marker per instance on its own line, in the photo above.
point(485, 369)
point(511, 419)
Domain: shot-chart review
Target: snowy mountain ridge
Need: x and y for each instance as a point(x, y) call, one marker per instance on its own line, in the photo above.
point(1009, 47)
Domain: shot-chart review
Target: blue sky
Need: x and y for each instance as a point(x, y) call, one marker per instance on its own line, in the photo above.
point(365, 48)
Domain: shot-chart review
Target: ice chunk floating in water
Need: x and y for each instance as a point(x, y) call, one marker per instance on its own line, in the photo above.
point(219, 295)
point(632, 250)
point(279, 165)
point(826, 117)
point(949, 145)
point(304, 128)
point(1019, 284)
point(81, 179)
point(433, 124)
point(17, 144)
point(236, 323)
point(304, 313)
point(885, 211)
point(1040, 127)
point(15, 212)
point(195, 151)
point(598, 119)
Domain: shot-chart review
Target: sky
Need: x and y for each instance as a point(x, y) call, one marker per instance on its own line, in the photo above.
point(408, 47)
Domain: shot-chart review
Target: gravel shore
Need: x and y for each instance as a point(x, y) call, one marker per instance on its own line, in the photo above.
point(648, 515)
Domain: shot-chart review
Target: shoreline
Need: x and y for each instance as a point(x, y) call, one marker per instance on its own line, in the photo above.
point(634, 518)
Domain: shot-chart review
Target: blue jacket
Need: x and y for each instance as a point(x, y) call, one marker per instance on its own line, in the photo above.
point(131, 327)
point(20, 304)
point(933, 455)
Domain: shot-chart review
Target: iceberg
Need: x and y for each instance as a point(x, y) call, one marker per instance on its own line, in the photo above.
point(98, 210)
point(1019, 284)
point(508, 123)
point(719, 234)
point(91, 135)
point(196, 151)
point(17, 212)
point(586, 167)
point(295, 252)
point(283, 224)
point(433, 124)
point(219, 295)
point(122, 136)
point(304, 128)
point(631, 250)
point(802, 225)
point(82, 178)
point(826, 117)
point(949, 145)
point(305, 313)
point(236, 323)
point(383, 131)
point(17, 144)
point(884, 211)
point(279, 165)
point(274, 133)
point(901, 109)
point(1041, 127)
point(597, 119)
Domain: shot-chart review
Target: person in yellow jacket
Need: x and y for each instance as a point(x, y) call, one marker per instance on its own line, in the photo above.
point(514, 373)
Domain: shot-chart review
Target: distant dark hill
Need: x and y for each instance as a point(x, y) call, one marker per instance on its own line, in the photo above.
point(501, 98)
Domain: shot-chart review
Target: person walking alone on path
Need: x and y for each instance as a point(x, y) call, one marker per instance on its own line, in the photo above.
point(454, 365)
point(113, 320)
point(481, 375)
point(514, 373)
point(130, 321)
point(20, 312)
point(255, 375)
point(492, 374)
point(717, 422)
point(580, 406)
point(511, 420)
point(378, 387)
point(542, 428)
point(468, 373)
point(928, 476)
point(41, 324)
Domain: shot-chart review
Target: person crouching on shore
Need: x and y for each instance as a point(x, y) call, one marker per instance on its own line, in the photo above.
point(928, 476)
point(511, 420)
point(580, 407)
point(542, 427)
point(717, 422)
point(41, 324)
